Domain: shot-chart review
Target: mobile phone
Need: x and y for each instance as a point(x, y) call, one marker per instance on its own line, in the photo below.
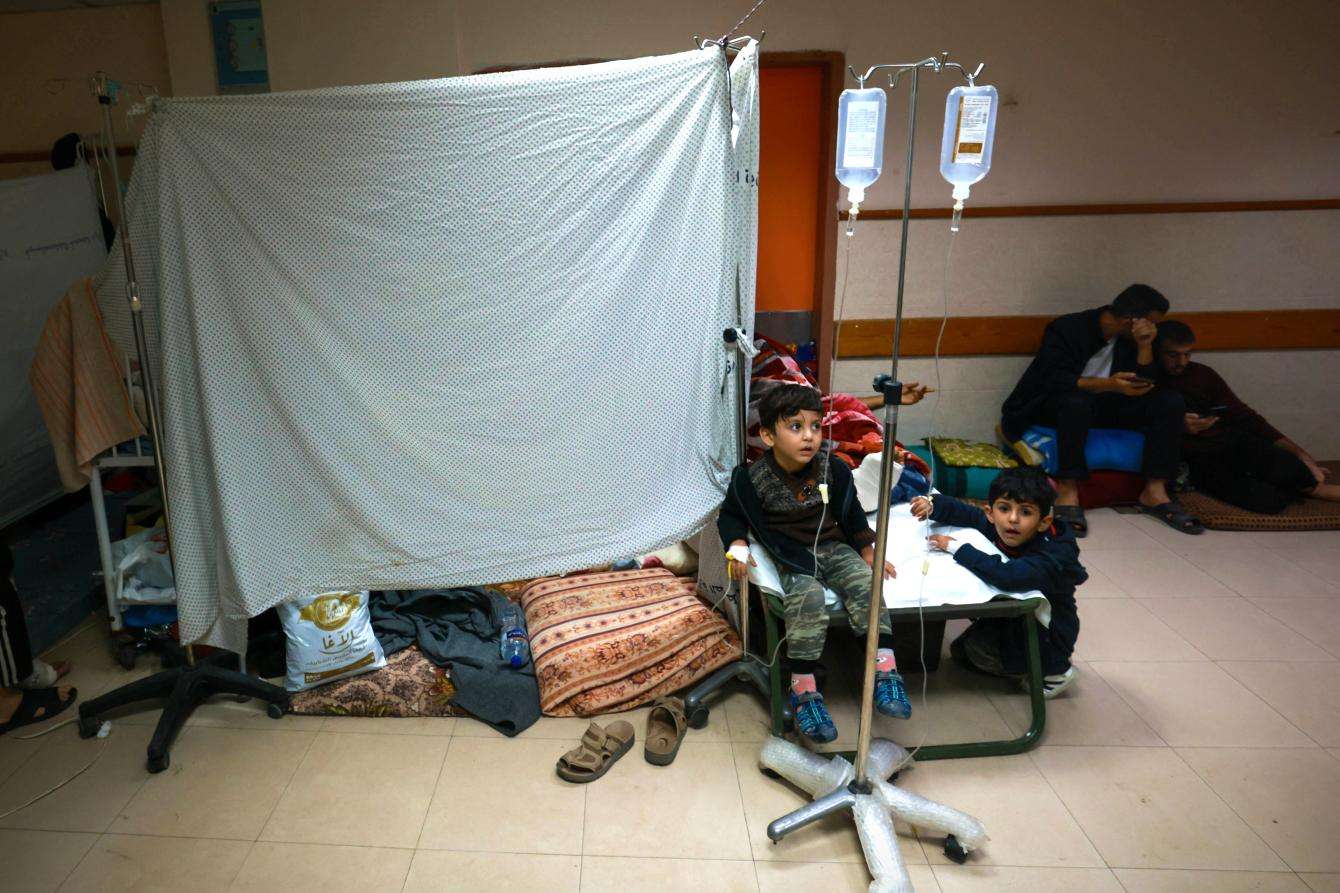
point(1216, 410)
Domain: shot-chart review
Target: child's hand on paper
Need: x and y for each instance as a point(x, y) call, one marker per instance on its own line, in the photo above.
point(921, 508)
point(940, 541)
point(868, 553)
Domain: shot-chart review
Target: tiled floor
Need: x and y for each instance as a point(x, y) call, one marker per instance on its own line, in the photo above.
point(1200, 750)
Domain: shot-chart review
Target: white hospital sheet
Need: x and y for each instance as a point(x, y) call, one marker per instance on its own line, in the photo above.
point(443, 333)
point(945, 583)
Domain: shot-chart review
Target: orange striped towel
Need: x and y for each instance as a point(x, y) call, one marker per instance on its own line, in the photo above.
point(79, 386)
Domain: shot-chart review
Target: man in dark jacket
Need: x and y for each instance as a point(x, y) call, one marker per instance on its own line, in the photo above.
point(800, 504)
point(1041, 554)
point(1096, 369)
point(1234, 454)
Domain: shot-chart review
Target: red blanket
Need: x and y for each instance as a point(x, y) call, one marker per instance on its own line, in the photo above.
point(848, 422)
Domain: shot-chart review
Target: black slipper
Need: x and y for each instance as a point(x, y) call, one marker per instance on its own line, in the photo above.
point(1174, 516)
point(1074, 516)
point(38, 705)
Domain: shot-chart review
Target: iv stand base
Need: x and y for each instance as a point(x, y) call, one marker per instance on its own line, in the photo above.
point(747, 671)
point(838, 801)
point(183, 688)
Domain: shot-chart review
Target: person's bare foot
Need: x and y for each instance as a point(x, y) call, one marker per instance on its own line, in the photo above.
point(1067, 492)
point(1329, 492)
point(1155, 493)
point(46, 675)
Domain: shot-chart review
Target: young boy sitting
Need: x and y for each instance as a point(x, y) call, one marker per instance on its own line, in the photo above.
point(1042, 555)
point(801, 505)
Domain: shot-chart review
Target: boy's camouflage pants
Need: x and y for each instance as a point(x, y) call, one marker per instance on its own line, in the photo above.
point(846, 573)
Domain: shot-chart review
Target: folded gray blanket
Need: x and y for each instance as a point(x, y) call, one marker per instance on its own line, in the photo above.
point(462, 627)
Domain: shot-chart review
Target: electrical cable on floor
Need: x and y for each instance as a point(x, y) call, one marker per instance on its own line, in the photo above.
point(102, 733)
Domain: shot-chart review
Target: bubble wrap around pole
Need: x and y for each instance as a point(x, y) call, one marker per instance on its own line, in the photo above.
point(813, 773)
point(873, 813)
point(919, 812)
point(884, 756)
point(879, 842)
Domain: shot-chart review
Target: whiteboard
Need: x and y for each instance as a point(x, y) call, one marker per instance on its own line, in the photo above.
point(50, 236)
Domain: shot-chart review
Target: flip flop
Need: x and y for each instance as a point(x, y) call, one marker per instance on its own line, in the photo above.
point(1174, 516)
point(38, 705)
point(1074, 516)
point(666, 728)
point(600, 749)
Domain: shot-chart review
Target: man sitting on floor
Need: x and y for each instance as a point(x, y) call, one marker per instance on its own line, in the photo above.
point(1234, 454)
point(1096, 369)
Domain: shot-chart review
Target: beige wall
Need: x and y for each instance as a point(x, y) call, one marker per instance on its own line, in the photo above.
point(48, 58)
point(1133, 101)
point(1142, 100)
point(327, 43)
point(190, 49)
point(1052, 265)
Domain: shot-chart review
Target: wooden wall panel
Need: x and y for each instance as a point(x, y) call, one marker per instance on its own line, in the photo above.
point(1105, 210)
point(1014, 335)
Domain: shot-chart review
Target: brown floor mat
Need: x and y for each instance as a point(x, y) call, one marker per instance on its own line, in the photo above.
point(1310, 514)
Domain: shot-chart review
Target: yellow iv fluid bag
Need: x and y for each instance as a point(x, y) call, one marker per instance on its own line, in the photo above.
point(970, 131)
point(860, 145)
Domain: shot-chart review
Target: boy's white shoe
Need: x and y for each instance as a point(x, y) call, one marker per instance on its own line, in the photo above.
point(1054, 685)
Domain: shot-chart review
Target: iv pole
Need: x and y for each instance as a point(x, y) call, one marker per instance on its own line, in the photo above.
point(738, 342)
point(183, 687)
point(855, 795)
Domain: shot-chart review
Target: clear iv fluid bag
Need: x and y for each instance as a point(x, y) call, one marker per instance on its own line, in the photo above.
point(970, 129)
point(860, 141)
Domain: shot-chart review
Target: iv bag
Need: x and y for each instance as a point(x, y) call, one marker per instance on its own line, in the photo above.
point(860, 140)
point(970, 130)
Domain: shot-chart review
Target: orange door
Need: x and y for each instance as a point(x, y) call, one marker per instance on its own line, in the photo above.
point(788, 199)
point(797, 223)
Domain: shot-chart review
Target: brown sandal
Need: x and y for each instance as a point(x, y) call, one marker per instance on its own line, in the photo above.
point(666, 728)
point(600, 749)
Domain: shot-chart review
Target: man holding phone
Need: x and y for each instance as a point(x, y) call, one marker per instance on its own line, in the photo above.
point(1096, 369)
point(1234, 454)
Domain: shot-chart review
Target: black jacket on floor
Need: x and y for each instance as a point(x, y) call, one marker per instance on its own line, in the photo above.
point(1049, 563)
point(1067, 344)
point(742, 511)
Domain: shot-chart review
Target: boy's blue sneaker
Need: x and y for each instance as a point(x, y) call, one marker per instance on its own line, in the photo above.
point(891, 696)
point(811, 717)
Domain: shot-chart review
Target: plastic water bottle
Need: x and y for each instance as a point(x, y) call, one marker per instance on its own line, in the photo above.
point(965, 148)
point(860, 146)
point(514, 645)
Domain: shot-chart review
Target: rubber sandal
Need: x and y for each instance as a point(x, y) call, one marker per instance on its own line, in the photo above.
point(666, 728)
point(600, 749)
point(1175, 516)
point(38, 705)
point(1074, 516)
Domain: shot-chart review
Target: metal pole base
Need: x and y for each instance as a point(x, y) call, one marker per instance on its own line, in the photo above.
point(839, 800)
point(744, 670)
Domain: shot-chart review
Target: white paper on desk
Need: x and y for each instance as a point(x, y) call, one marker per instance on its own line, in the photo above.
point(946, 582)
